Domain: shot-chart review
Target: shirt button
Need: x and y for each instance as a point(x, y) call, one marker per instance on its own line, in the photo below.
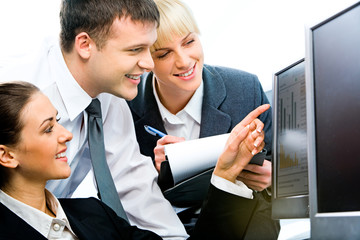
point(56, 227)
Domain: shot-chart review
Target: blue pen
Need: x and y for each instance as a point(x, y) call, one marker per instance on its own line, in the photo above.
point(154, 131)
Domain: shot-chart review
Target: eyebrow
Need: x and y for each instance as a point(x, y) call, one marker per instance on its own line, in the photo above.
point(159, 49)
point(48, 119)
point(136, 46)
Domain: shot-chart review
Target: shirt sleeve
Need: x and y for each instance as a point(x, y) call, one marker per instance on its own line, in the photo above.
point(238, 188)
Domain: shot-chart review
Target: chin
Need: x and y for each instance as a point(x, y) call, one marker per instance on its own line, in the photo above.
point(65, 174)
point(130, 95)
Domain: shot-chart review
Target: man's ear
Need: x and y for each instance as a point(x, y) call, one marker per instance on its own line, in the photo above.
point(7, 157)
point(83, 45)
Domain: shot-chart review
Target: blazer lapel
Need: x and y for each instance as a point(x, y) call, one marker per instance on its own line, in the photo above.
point(150, 116)
point(10, 223)
point(78, 228)
point(82, 222)
point(213, 120)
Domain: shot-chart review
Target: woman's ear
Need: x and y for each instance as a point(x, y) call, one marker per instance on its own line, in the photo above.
point(83, 45)
point(7, 158)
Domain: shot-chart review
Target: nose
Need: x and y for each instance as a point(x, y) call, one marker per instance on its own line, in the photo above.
point(146, 62)
point(65, 135)
point(182, 60)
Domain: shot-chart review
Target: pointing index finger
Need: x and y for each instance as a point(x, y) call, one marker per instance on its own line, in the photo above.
point(254, 114)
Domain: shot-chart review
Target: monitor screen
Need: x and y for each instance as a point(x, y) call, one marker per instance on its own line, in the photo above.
point(290, 169)
point(333, 78)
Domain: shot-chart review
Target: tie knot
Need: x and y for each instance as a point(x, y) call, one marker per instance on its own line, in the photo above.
point(94, 109)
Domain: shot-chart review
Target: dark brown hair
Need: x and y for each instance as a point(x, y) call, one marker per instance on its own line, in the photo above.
point(13, 98)
point(95, 17)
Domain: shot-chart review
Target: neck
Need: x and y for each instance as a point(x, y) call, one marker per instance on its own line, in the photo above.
point(77, 68)
point(30, 194)
point(173, 100)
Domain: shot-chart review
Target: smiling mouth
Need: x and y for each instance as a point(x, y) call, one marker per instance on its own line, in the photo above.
point(188, 73)
point(134, 77)
point(60, 155)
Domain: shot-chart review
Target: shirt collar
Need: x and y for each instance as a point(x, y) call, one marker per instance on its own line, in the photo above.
point(34, 217)
point(55, 206)
point(65, 81)
point(193, 108)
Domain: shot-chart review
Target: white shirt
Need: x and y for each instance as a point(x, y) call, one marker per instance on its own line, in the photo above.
point(186, 123)
point(49, 227)
point(134, 174)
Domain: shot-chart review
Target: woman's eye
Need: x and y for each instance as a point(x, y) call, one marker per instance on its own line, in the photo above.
point(162, 55)
point(49, 129)
point(190, 42)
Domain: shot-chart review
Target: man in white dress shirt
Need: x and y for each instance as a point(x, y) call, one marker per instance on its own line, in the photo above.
point(104, 49)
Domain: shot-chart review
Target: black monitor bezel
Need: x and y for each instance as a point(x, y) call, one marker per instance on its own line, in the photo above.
point(334, 225)
point(290, 207)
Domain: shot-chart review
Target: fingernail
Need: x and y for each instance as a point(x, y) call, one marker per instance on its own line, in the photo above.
point(259, 130)
point(254, 132)
point(253, 152)
point(255, 144)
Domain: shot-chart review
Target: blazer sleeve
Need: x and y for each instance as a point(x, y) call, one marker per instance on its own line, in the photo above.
point(224, 216)
point(91, 219)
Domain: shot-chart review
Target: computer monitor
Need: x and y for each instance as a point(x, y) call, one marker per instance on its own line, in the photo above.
point(290, 194)
point(333, 110)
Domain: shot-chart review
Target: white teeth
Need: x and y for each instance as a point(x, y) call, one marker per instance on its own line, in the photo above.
point(133, 77)
point(60, 155)
point(187, 74)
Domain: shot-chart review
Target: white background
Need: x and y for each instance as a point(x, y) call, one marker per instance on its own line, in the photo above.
point(258, 36)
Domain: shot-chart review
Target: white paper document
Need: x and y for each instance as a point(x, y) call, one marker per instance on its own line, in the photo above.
point(192, 157)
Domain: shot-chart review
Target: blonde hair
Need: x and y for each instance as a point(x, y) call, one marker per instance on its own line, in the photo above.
point(176, 19)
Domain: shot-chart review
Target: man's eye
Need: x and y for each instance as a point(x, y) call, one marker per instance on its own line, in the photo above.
point(135, 50)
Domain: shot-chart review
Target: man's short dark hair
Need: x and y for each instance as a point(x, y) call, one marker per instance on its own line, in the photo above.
point(95, 17)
